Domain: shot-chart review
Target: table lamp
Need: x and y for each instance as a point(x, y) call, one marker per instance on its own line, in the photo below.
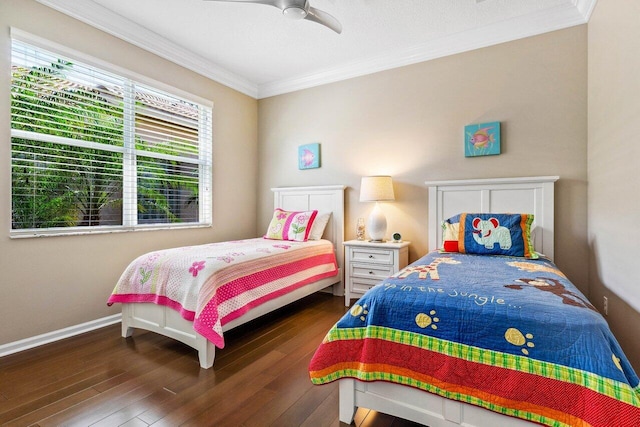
point(375, 189)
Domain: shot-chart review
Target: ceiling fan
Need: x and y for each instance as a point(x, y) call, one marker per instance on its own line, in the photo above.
point(298, 9)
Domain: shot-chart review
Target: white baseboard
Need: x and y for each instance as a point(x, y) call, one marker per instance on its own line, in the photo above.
point(38, 340)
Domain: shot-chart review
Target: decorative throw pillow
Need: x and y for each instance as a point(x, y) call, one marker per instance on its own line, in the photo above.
point(287, 225)
point(491, 234)
point(450, 236)
point(318, 226)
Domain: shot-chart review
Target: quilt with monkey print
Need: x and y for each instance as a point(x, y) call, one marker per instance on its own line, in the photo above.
point(512, 335)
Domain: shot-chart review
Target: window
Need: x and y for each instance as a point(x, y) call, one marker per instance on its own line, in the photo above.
point(95, 151)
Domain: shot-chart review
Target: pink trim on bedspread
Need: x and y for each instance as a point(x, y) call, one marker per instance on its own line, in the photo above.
point(232, 280)
point(239, 296)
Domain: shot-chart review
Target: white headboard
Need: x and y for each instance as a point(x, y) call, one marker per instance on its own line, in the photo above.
point(500, 195)
point(327, 198)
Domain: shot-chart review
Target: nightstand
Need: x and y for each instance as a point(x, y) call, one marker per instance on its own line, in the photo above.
point(368, 263)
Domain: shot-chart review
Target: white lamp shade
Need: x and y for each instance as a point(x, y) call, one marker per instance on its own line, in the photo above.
point(376, 188)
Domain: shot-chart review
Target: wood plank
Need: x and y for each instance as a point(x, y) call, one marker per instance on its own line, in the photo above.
point(326, 412)
point(234, 399)
point(129, 413)
point(16, 408)
point(297, 413)
point(243, 410)
point(33, 417)
point(259, 378)
point(289, 386)
point(198, 398)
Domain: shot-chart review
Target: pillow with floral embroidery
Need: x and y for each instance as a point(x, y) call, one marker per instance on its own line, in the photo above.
point(288, 225)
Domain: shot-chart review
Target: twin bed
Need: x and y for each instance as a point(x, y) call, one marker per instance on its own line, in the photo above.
point(479, 339)
point(270, 273)
point(454, 339)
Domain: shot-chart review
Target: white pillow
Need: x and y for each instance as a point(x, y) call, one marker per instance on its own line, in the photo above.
point(318, 226)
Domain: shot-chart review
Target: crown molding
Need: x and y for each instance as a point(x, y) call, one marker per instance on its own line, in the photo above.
point(540, 22)
point(525, 26)
point(110, 22)
point(585, 7)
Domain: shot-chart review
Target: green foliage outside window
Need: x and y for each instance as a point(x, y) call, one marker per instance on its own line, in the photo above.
point(58, 184)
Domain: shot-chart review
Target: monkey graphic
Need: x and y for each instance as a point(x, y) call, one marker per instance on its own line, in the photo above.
point(555, 287)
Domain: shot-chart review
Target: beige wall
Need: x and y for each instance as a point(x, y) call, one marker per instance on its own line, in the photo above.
point(51, 283)
point(614, 163)
point(408, 122)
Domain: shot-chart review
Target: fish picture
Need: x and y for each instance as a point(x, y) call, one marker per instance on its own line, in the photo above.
point(482, 139)
point(309, 156)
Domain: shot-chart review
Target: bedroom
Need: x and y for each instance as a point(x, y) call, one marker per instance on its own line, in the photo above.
point(554, 92)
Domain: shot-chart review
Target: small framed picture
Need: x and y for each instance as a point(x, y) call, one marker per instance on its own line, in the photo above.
point(309, 156)
point(482, 139)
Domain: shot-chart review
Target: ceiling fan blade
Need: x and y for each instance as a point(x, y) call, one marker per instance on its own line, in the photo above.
point(300, 9)
point(324, 18)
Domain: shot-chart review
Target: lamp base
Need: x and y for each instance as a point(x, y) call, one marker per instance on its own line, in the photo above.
point(377, 224)
point(377, 241)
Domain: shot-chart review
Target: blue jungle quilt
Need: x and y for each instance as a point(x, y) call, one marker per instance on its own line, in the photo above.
point(510, 334)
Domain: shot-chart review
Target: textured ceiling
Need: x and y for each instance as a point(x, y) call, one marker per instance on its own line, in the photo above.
point(254, 49)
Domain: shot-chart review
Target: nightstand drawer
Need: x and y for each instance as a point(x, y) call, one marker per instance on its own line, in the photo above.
point(369, 263)
point(368, 255)
point(371, 271)
point(363, 285)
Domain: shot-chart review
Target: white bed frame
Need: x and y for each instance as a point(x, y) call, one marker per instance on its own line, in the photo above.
point(168, 322)
point(447, 198)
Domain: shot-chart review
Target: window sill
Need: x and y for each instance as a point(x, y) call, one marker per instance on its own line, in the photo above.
point(78, 231)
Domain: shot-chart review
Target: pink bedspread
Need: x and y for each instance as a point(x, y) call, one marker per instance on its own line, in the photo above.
point(216, 283)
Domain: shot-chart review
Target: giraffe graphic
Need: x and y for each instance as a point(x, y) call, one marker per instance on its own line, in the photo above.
point(424, 271)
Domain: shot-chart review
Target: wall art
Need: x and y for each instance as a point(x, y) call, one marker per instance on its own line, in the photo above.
point(309, 156)
point(482, 139)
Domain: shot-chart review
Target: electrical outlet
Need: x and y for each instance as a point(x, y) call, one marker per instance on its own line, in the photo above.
point(605, 305)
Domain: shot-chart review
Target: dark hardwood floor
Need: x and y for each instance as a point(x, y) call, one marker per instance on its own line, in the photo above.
point(259, 379)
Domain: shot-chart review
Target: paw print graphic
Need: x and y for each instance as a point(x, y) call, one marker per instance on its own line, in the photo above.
point(517, 338)
point(360, 311)
point(427, 320)
point(616, 361)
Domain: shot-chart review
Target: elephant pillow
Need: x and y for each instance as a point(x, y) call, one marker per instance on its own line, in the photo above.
point(288, 225)
point(489, 234)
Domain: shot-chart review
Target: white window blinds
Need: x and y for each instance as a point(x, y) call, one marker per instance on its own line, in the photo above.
point(92, 150)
